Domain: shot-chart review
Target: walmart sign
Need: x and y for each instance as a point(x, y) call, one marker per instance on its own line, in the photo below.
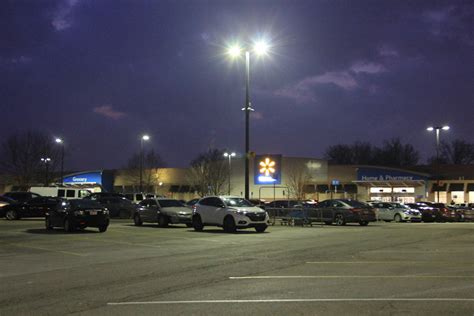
point(267, 169)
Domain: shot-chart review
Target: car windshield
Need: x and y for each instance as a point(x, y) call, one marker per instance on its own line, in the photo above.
point(354, 203)
point(170, 203)
point(399, 205)
point(84, 204)
point(237, 202)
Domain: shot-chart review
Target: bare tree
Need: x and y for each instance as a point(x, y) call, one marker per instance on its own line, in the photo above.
point(209, 173)
point(21, 155)
point(298, 177)
point(458, 152)
point(152, 163)
point(392, 153)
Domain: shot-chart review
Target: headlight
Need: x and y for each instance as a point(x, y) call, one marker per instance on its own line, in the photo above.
point(183, 213)
point(78, 213)
point(242, 212)
point(105, 211)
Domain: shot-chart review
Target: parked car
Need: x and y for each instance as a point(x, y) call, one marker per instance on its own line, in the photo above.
point(118, 206)
point(192, 202)
point(135, 197)
point(446, 214)
point(62, 192)
point(465, 213)
point(342, 211)
point(391, 211)
point(98, 195)
point(258, 203)
point(21, 196)
point(4, 201)
point(229, 212)
point(428, 213)
point(77, 214)
point(162, 211)
point(35, 207)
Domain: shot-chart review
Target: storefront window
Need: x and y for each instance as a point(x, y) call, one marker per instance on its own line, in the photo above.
point(457, 196)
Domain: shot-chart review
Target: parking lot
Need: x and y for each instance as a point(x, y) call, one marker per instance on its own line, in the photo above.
point(383, 269)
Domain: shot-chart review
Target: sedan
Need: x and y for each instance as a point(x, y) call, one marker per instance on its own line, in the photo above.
point(35, 207)
point(77, 214)
point(162, 211)
point(342, 211)
point(390, 211)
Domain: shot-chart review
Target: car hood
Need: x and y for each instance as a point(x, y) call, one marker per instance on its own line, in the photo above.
point(252, 209)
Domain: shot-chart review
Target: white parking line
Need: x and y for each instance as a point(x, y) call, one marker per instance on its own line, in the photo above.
point(299, 300)
point(388, 262)
point(352, 277)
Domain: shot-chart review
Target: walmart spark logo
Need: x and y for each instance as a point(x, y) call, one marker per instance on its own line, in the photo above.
point(267, 169)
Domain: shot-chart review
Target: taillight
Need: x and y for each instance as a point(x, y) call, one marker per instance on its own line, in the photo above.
point(355, 210)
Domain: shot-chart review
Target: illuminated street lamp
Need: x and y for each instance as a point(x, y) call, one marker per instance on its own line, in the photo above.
point(229, 155)
point(61, 143)
point(260, 48)
point(142, 139)
point(46, 162)
point(437, 129)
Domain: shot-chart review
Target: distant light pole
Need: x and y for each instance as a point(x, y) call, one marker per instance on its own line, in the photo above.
point(46, 162)
point(61, 143)
point(229, 155)
point(260, 48)
point(437, 129)
point(142, 139)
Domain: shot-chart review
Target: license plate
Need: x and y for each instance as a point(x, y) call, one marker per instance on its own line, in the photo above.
point(92, 212)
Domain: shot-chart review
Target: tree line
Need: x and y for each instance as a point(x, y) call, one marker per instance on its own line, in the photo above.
point(21, 153)
point(397, 154)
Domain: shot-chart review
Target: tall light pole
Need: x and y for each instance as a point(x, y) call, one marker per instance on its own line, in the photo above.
point(46, 162)
point(260, 48)
point(229, 155)
point(437, 129)
point(142, 139)
point(61, 142)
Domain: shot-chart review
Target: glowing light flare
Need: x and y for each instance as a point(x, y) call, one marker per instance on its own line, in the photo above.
point(267, 167)
point(234, 51)
point(261, 48)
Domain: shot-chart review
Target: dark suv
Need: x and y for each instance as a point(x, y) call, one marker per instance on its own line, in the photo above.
point(342, 211)
point(118, 206)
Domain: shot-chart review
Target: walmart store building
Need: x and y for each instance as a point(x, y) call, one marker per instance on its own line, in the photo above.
point(274, 176)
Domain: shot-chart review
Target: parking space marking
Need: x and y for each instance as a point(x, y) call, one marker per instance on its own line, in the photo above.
point(302, 300)
point(388, 262)
point(352, 277)
point(46, 249)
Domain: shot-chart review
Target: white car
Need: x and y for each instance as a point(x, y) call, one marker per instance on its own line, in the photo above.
point(230, 213)
point(398, 212)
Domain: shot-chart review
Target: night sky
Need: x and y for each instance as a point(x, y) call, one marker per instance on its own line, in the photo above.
point(101, 73)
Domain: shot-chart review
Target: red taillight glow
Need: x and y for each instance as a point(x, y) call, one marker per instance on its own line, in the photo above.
point(355, 210)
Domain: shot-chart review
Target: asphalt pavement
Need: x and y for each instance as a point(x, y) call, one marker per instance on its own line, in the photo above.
point(381, 269)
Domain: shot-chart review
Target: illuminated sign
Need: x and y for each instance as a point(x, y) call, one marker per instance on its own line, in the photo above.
point(267, 169)
point(84, 177)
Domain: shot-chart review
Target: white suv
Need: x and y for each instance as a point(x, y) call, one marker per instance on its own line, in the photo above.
point(229, 212)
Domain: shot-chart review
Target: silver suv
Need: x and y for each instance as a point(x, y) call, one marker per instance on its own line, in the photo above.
point(391, 211)
point(229, 212)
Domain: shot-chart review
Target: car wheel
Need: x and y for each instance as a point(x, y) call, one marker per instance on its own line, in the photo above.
point(68, 226)
point(197, 223)
point(47, 223)
point(339, 220)
point(260, 228)
point(162, 221)
point(137, 220)
point(11, 215)
point(363, 223)
point(124, 214)
point(397, 218)
point(103, 228)
point(229, 224)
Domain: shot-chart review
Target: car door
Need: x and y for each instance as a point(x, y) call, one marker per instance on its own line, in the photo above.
point(150, 211)
point(205, 208)
point(219, 212)
point(57, 214)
